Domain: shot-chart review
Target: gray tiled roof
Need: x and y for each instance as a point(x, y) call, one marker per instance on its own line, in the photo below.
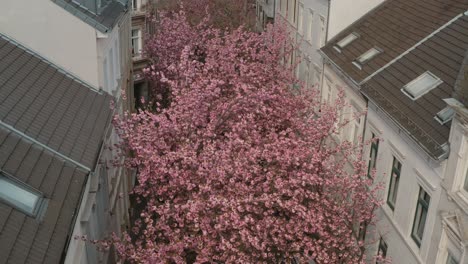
point(394, 26)
point(22, 238)
point(50, 106)
point(408, 32)
point(103, 21)
point(51, 130)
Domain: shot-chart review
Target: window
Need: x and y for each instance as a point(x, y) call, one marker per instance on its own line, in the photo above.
point(135, 5)
point(465, 185)
point(373, 155)
point(451, 259)
point(310, 25)
point(300, 18)
point(366, 56)
point(394, 182)
point(291, 10)
point(321, 38)
point(421, 85)
point(382, 251)
point(445, 115)
point(346, 41)
point(356, 125)
point(115, 54)
point(420, 217)
point(21, 196)
point(106, 75)
point(110, 55)
point(136, 42)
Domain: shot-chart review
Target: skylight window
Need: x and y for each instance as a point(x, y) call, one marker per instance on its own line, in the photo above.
point(366, 56)
point(421, 85)
point(445, 115)
point(20, 196)
point(346, 41)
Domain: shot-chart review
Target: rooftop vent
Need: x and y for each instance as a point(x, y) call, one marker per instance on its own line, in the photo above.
point(421, 85)
point(445, 115)
point(21, 196)
point(366, 56)
point(346, 41)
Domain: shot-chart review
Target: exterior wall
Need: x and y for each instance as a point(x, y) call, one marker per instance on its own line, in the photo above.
point(53, 33)
point(308, 22)
point(104, 209)
point(105, 202)
point(452, 230)
point(395, 226)
point(141, 23)
point(266, 10)
point(344, 12)
point(115, 61)
point(332, 83)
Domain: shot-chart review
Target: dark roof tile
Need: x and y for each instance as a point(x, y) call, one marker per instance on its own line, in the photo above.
point(50, 124)
point(398, 27)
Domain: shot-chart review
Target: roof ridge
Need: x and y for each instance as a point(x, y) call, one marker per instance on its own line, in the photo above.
point(35, 141)
point(414, 47)
point(54, 65)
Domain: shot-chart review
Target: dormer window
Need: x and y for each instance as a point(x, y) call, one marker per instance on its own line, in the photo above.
point(21, 196)
point(366, 57)
point(346, 41)
point(444, 115)
point(421, 85)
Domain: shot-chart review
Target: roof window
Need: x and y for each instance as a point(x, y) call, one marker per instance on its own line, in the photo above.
point(445, 115)
point(366, 56)
point(346, 41)
point(421, 85)
point(21, 196)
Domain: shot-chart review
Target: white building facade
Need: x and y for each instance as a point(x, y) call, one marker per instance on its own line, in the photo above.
point(420, 156)
point(69, 34)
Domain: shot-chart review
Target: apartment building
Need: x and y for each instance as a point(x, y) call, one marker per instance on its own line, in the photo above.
point(265, 13)
point(142, 26)
point(88, 44)
point(308, 23)
point(405, 62)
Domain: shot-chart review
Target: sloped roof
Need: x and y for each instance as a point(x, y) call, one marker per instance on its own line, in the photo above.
point(51, 130)
point(44, 102)
point(394, 27)
point(442, 55)
point(23, 239)
point(103, 21)
point(415, 37)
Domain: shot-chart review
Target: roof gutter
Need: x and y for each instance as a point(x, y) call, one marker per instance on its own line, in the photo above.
point(444, 147)
point(337, 69)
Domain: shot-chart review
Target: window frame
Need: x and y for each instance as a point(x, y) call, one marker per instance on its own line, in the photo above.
point(359, 62)
point(424, 206)
point(438, 82)
point(374, 146)
point(451, 258)
point(339, 46)
point(300, 19)
point(394, 190)
point(40, 205)
point(322, 36)
point(383, 247)
point(136, 52)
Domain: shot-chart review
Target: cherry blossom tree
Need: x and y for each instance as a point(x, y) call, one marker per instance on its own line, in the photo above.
point(222, 13)
point(238, 166)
